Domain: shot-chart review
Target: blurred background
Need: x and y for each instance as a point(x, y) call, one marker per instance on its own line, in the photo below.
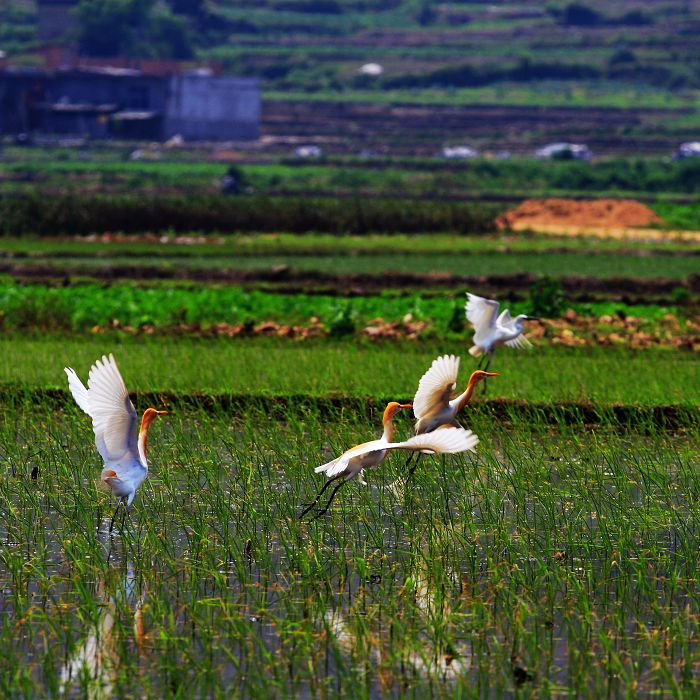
point(494, 146)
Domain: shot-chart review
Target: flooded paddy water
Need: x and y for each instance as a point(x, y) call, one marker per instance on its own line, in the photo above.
point(553, 562)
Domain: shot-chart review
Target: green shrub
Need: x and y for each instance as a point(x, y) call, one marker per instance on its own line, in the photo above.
point(547, 298)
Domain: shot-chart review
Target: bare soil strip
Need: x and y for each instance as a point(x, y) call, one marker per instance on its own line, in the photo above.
point(283, 279)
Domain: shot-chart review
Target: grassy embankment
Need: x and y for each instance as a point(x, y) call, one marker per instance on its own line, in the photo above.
point(269, 368)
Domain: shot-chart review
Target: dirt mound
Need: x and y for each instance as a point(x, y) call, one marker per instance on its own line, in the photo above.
point(600, 213)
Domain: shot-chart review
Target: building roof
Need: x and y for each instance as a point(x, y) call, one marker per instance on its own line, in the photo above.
point(79, 107)
point(134, 116)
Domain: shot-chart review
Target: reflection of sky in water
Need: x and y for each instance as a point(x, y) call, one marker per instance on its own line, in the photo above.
point(167, 602)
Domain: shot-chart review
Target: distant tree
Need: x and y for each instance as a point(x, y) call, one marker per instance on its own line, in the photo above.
point(581, 15)
point(131, 28)
point(622, 57)
point(426, 15)
point(194, 8)
point(635, 18)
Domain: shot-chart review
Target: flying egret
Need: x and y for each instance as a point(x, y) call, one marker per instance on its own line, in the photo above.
point(107, 402)
point(492, 330)
point(370, 454)
point(432, 405)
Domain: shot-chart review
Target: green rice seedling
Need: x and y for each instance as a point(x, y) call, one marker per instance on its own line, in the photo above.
point(558, 559)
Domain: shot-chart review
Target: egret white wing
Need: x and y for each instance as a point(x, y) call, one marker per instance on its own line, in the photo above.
point(520, 342)
point(436, 385)
point(113, 414)
point(505, 320)
point(446, 440)
point(340, 464)
point(481, 313)
point(77, 388)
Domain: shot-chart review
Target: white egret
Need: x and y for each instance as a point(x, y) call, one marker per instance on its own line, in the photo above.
point(370, 454)
point(492, 330)
point(107, 402)
point(433, 406)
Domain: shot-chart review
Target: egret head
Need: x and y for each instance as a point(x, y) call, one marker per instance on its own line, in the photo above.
point(392, 407)
point(149, 415)
point(480, 375)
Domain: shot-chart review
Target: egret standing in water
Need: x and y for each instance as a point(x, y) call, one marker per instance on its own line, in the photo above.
point(371, 454)
point(492, 330)
point(114, 418)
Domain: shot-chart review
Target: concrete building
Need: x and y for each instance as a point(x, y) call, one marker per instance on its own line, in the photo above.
point(105, 102)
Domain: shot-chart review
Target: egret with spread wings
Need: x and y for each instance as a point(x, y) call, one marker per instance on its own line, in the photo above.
point(492, 330)
point(371, 454)
point(433, 405)
point(114, 418)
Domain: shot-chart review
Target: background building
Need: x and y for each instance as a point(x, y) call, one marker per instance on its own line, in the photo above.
point(107, 101)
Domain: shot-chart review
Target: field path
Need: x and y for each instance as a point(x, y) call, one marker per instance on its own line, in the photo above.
point(619, 233)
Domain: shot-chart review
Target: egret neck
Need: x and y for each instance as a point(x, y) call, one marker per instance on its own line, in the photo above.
point(387, 420)
point(463, 399)
point(149, 415)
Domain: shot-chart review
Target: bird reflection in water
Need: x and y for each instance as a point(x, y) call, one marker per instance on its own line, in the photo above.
point(93, 666)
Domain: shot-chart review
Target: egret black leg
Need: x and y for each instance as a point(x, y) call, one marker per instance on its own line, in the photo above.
point(414, 467)
point(116, 510)
point(480, 362)
point(320, 493)
point(486, 369)
point(330, 500)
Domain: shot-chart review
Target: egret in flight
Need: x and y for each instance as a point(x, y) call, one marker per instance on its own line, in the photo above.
point(492, 330)
point(371, 454)
point(433, 406)
point(107, 402)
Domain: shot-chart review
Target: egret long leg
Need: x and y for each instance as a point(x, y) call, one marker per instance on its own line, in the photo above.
point(486, 369)
point(116, 510)
point(409, 460)
point(414, 467)
point(330, 500)
point(320, 493)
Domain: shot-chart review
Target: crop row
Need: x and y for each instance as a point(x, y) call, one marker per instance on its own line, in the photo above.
point(270, 368)
point(45, 215)
point(43, 307)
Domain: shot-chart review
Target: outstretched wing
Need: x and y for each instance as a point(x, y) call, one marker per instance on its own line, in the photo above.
point(107, 402)
point(436, 386)
point(77, 388)
point(113, 414)
point(520, 342)
point(507, 323)
point(505, 320)
point(340, 464)
point(446, 440)
point(481, 313)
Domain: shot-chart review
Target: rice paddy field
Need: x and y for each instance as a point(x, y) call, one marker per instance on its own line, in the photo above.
point(559, 559)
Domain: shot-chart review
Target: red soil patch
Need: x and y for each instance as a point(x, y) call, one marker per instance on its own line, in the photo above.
point(604, 213)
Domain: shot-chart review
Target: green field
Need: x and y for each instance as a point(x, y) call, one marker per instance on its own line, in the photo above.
point(515, 571)
point(270, 367)
point(191, 170)
point(552, 264)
